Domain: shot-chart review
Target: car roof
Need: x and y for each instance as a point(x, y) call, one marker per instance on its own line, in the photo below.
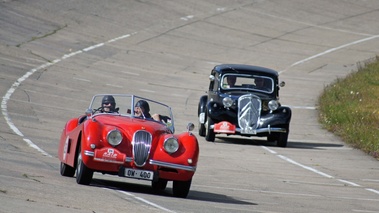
point(245, 69)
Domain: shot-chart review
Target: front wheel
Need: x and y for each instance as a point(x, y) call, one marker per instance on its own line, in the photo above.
point(67, 170)
point(201, 129)
point(159, 185)
point(210, 135)
point(83, 173)
point(280, 139)
point(181, 188)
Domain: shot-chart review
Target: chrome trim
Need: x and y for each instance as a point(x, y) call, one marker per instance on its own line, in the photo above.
point(261, 130)
point(268, 129)
point(141, 147)
point(128, 159)
point(89, 153)
point(173, 166)
point(249, 108)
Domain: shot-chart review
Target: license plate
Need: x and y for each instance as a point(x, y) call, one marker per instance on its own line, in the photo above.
point(248, 131)
point(139, 174)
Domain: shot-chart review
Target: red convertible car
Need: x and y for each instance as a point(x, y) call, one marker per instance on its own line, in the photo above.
point(131, 137)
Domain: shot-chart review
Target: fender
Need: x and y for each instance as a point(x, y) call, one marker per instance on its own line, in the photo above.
point(202, 104)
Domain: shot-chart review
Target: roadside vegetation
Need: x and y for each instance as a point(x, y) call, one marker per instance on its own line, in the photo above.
point(350, 108)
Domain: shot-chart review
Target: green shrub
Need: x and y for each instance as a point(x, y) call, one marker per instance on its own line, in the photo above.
point(350, 108)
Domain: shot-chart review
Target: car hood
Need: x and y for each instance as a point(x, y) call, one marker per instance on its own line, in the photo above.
point(236, 94)
point(129, 125)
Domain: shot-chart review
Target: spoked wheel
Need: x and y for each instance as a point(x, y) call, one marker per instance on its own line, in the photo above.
point(83, 173)
point(210, 135)
point(181, 188)
point(67, 170)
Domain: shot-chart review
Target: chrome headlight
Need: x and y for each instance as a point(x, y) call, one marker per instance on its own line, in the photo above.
point(227, 101)
point(114, 137)
point(171, 145)
point(273, 105)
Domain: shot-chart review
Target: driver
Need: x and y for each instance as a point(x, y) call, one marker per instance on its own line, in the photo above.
point(108, 104)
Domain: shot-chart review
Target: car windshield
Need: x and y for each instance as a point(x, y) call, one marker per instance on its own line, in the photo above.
point(247, 82)
point(131, 105)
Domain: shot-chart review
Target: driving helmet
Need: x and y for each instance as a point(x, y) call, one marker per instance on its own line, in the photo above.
point(143, 105)
point(109, 99)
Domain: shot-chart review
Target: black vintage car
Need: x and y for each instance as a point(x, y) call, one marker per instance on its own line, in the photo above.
point(243, 100)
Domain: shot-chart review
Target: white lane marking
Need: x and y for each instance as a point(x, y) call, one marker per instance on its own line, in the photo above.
point(186, 18)
point(113, 85)
point(81, 79)
point(145, 201)
point(349, 182)
point(272, 151)
point(329, 51)
point(373, 190)
point(31, 144)
point(302, 107)
point(304, 167)
point(16, 84)
point(316, 171)
point(146, 90)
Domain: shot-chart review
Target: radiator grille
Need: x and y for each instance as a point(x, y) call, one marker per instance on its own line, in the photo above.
point(249, 109)
point(141, 147)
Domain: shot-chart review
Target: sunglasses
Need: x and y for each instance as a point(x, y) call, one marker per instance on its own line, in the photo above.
point(107, 103)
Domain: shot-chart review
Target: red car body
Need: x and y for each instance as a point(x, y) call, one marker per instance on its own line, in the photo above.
point(147, 149)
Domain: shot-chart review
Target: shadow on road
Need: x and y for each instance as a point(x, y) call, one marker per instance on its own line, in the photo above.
point(146, 189)
point(262, 142)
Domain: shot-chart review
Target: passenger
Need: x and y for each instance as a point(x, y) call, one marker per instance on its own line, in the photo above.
point(142, 109)
point(260, 84)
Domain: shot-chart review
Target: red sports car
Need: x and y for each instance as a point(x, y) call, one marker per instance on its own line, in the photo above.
point(132, 137)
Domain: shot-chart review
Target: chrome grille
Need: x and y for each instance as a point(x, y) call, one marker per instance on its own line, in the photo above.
point(249, 108)
point(141, 147)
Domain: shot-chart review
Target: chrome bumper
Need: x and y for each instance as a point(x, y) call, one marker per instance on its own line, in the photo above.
point(173, 166)
point(154, 162)
point(260, 130)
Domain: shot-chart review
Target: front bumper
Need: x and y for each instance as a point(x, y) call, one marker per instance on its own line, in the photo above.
point(125, 159)
point(234, 130)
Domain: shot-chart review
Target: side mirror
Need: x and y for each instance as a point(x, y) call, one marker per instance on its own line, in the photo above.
point(88, 112)
point(190, 127)
point(282, 84)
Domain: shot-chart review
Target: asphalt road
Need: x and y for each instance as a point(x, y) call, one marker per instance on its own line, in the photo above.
point(54, 55)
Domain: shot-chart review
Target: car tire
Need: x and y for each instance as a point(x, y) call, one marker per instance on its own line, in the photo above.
point(83, 173)
point(202, 109)
point(67, 170)
point(210, 135)
point(181, 188)
point(282, 140)
point(159, 185)
point(202, 129)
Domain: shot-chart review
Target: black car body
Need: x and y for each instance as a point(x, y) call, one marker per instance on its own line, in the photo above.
point(246, 108)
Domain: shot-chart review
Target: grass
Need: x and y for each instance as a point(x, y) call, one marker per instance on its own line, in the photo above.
point(350, 108)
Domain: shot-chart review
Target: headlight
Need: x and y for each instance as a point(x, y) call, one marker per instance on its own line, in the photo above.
point(273, 105)
point(114, 137)
point(171, 145)
point(227, 101)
